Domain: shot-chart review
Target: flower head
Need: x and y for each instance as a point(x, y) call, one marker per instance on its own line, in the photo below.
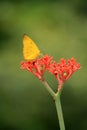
point(64, 69)
point(38, 66)
point(61, 70)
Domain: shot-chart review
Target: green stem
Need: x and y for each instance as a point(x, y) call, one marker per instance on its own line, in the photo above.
point(56, 97)
point(59, 111)
point(52, 93)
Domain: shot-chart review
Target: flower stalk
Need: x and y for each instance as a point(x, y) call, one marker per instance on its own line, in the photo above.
point(48, 88)
point(59, 111)
point(56, 97)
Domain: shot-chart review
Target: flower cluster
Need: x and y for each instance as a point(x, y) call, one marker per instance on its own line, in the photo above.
point(64, 69)
point(38, 66)
point(61, 70)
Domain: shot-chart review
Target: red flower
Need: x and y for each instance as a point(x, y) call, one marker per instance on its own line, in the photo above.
point(38, 66)
point(61, 70)
point(64, 69)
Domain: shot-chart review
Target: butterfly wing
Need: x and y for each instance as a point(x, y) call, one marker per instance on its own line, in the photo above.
point(30, 50)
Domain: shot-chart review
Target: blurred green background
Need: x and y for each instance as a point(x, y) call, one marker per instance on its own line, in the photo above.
point(60, 29)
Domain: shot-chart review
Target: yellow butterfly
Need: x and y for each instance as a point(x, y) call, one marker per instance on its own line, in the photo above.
point(30, 49)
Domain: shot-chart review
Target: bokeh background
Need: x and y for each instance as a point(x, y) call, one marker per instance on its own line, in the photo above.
point(60, 29)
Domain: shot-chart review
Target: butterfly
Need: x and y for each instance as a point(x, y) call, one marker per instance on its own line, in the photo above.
point(30, 49)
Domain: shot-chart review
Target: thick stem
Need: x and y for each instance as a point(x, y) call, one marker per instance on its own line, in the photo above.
point(56, 97)
point(59, 112)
